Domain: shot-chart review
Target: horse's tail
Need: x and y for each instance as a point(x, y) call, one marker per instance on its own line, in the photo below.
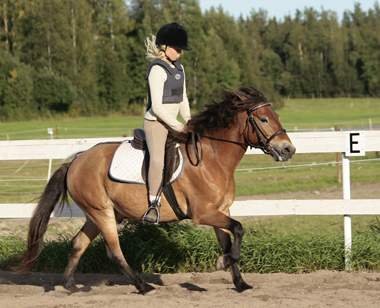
point(55, 189)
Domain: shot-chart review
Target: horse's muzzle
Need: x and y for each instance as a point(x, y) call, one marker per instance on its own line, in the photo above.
point(282, 151)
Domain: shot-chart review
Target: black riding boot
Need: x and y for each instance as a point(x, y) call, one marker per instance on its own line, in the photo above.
point(152, 215)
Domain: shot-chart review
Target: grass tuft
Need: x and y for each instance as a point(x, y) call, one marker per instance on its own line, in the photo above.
point(184, 247)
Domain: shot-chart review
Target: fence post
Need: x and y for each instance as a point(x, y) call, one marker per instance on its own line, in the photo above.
point(338, 161)
point(49, 171)
point(50, 131)
point(347, 218)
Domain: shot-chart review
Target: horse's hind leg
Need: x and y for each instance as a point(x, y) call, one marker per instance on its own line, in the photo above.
point(224, 240)
point(78, 245)
point(107, 224)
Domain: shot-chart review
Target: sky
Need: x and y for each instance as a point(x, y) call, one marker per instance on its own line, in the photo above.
point(280, 8)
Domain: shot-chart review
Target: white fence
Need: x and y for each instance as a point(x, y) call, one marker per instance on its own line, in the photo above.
point(311, 142)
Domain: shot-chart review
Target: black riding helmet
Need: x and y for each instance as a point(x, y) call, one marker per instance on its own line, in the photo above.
point(173, 35)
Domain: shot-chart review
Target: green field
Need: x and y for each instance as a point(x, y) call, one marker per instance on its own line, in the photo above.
point(94, 127)
point(305, 172)
point(296, 113)
point(326, 113)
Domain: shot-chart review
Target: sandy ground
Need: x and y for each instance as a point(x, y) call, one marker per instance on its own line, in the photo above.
point(318, 289)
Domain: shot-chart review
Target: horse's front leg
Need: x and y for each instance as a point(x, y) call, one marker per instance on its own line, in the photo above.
point(231, 251)
point(224, 240)
point(211, 216)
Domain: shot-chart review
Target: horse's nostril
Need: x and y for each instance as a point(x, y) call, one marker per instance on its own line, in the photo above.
point(288, 150)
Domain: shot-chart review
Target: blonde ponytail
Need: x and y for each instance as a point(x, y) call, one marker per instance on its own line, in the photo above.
point(152, 50)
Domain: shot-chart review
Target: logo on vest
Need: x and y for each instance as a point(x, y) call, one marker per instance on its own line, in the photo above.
point(177, 76)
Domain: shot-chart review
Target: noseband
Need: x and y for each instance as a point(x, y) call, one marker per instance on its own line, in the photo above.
point(265, 146)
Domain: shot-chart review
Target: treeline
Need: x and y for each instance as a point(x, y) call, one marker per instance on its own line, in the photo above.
point(87, 57)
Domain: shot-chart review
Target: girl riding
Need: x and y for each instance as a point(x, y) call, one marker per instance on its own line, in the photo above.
point(166, 98)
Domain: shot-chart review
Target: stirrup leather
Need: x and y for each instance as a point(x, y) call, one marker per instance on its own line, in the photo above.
point(152, 215)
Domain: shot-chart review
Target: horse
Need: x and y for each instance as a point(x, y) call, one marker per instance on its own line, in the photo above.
point(205, 190)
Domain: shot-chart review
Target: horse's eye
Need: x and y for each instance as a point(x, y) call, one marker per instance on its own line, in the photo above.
point(264, 120)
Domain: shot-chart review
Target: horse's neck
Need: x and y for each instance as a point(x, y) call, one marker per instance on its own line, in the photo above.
point(226, 153)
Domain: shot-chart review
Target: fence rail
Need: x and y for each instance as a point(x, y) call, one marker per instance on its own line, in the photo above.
point(239, 208)
point(310, 142)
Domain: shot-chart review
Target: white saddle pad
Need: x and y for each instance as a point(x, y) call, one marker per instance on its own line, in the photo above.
point(126, 165)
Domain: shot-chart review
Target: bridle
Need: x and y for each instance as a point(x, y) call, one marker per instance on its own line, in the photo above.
point(265, 146)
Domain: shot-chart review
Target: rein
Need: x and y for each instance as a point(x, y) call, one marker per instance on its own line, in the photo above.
point(194, 139)
point(265, 146)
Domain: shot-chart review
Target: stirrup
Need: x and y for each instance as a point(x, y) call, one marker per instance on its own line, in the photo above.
point(152, 215)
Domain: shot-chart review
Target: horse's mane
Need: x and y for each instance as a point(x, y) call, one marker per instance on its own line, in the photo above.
point(223, 113)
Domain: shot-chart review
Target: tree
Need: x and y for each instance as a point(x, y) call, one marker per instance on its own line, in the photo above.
point(16, 87)
point(7, 9)
point(52, 93)
point(92, 53)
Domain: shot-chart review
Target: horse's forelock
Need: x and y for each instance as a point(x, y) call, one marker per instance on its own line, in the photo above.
point(251, 95)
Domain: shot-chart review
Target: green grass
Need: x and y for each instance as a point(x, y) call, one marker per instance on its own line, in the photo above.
point(300, 113)
point(23, 181)
point(301, 174)
point(326, 113)
point(95, 127)
point(286, 225)
point(10, 248)
point(182, 247)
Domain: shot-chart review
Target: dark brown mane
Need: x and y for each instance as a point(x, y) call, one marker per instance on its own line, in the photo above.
point(222, 114)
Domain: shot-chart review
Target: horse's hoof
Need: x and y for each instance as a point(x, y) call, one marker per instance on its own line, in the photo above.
point(245, 288)
point(72, 288)
point(220, 264)
point(152, 292)
point(148, 290)
point(247, 291)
